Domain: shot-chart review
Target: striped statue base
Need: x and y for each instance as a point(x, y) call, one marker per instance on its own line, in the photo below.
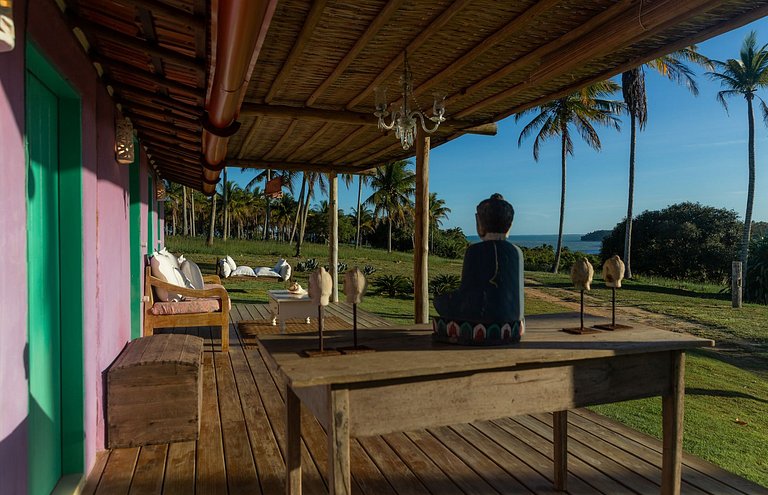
point(464, 332)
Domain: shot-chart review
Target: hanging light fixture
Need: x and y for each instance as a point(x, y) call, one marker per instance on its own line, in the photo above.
point(405, 119)
point(124, 142)
point(160, 190)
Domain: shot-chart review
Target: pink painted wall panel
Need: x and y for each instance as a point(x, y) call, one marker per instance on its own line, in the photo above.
point(13, 273)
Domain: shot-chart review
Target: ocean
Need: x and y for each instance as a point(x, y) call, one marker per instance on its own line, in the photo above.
point(571, 241)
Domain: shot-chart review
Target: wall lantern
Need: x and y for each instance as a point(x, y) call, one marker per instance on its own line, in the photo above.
point(160, 190)
point(123, 141)
point(7, 31)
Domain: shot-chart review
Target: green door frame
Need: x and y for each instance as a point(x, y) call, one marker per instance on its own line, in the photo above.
point(137, 268)
point(71, 263)
point(150, 231)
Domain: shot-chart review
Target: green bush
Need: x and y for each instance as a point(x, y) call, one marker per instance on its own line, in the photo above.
point(756, 289)
point(451, 243)
point(683, 241)
point(393, 285)
point(541, 259)
point(443, 283)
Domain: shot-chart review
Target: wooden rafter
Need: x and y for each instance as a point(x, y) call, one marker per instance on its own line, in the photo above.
point(150, 79)
point(423, 36)
point(309, 142)
point(297, 50)
point(325, 154)
point(386, 13)
point(131, 93)
point(300, 166)
point(166, 111)
point(254, 129)
point(281, 142)
point(174, 122)
point(194, 21)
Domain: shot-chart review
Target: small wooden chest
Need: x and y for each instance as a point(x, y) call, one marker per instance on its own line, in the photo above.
point(154, 391)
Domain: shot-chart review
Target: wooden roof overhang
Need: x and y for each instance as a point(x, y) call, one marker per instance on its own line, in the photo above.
point(309, 101)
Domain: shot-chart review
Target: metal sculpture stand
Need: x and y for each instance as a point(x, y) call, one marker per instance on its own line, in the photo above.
point(581, 329)
point(355, 349)
point(613, 325)
point(321, 351)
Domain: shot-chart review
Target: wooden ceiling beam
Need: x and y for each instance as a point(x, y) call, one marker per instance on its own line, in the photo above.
point(721, 28)
point(627, 28)
point(182, 16)
point(126, 93)
point(423, 36)
point(381, 19)
point(301, 167)
point(310, 23)
point(309, 142)
point(165, 140)
point(169, 112)
point(323, 156)
point(534, 56)
point(91, 29)
point(516, 25)
point(149, 78)
point(174, 154)
point(250, 135)
point(153, 129)
point(180, 122)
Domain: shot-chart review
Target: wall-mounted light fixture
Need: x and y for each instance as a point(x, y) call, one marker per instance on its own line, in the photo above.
point(160, 189)
point(124, 152)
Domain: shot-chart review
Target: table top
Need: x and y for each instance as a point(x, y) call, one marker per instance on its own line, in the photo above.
point(409, 351)
point(283, 295)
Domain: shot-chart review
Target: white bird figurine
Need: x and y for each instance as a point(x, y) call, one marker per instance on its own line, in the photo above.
point(613, 271)
point(582, 273)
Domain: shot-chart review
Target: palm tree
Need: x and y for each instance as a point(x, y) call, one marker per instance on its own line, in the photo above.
point(172, 200)
point(313, 179)
point(209, 242)
point(392, 184)
point(361, 179)
point(186, 222)
point(744, 76)
point(578, 110)
point(367, 221)
point(673, 67)
point(437, 213)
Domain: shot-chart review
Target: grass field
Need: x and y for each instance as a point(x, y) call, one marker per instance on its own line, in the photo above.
point(726, 418)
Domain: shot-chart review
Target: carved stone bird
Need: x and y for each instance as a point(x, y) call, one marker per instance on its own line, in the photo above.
point(354, 285)
point(613, 271)
point(320, 286)
point(581, 274)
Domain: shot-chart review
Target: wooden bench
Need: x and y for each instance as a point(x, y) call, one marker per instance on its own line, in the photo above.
point(154, 391)
point(219, 317)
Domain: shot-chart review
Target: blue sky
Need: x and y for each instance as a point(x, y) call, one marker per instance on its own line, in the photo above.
point(691, 150)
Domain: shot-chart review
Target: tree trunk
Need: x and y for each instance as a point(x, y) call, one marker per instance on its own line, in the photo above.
point(303, 226)
point(750, 196)
point(630, 197)
point(225, 205)
point(298, 208)
point(559, 248)
point(389, 236)
point(193, 217)
point(173, 221)
point(213, 221)
point(186, 223)
point(359, 193)
point(266, 218)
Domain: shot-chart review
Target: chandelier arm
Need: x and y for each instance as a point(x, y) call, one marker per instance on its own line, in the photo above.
point(423, 122)
point(392, 123)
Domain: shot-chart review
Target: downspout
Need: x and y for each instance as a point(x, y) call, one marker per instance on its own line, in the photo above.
point(238, 30)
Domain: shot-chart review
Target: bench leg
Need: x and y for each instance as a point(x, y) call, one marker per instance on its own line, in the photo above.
point(225, 337)
point(148, 330)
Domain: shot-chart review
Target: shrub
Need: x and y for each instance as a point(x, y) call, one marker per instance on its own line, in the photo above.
point(444, 283)
point(451, 243)
point(756, 289)
point(682, 241)
point(393, 285)
point(368, 270)
point(542, 258)
point(307, 265)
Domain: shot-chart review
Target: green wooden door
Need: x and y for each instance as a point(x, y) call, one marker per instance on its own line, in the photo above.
point(43, 256)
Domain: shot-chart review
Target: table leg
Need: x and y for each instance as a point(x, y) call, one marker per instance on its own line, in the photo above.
point(282, 325)
point(293, 435)
point(340, 480)
point(672, 412)
point(560, 452)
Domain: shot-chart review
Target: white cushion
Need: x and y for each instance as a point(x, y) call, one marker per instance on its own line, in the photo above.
point(285, 271)
point(161, 268)
point(265, 271)
point(278, 265)
point(244, 271)
point(171, 258)
point(231, 263)
point(192, 273)
point(226, 270)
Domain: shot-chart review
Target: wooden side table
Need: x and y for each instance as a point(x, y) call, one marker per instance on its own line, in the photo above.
point(285, 305)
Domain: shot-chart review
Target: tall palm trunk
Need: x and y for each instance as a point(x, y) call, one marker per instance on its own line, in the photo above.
point(631, 196)
point(173, 222)
point(304, 215)
point(359, 193)
point(556, 264)
point(225, 205)
point(209, 242)
point(266, 218)
point(298, 208)
point(750, 194)
point(389, 235)
point(186, 223)
point(192, 213)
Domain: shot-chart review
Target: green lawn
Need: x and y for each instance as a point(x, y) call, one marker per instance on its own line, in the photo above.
point(717, 393)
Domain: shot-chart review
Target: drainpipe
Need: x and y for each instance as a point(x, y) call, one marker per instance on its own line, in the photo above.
point(238, 30)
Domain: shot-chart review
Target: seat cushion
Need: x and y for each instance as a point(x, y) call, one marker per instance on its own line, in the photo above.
point(212, 286)
point(190, 306)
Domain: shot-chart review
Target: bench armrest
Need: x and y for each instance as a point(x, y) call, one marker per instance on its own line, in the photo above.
point(211, 279)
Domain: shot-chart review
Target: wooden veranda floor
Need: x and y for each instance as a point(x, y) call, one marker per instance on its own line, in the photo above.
point(242, 445)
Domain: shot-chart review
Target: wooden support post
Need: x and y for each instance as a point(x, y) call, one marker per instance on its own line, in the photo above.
point(339, 477)
point(421, 234)
point(293, 449)
point(560, 441)
point(672, 427)
point(333, 232)
point(736, 284)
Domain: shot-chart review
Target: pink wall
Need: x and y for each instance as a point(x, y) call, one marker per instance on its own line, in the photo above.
point(13, 273)
point(106, 244)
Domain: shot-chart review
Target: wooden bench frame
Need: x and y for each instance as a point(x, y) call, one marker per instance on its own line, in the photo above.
point(218, 318)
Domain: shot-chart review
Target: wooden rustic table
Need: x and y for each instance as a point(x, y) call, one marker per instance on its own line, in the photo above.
point(285, 305)
point(412, 382)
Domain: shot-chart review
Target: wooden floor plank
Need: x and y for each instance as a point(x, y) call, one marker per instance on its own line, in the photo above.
point(94, 476)
point(211, 470)
point(150, 470)
point(180, 469)
point(430, 475)
point(397, 473)
point(116, 479)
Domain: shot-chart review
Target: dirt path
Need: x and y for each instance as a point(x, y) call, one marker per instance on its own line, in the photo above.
point(732, 350)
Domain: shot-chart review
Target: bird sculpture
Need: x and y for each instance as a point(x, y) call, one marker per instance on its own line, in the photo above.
point(613, 271)
point(354, 288)
point(582, 273)
point(320, 288)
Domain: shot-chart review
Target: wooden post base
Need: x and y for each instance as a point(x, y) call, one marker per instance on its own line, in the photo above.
point(580, 330)
point(318, 353)
point(615, 326)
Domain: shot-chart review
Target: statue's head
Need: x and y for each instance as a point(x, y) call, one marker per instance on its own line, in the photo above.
point(494, 216)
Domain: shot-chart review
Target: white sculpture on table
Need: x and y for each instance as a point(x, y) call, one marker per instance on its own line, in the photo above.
point(354, 288)
point(581, 276)
point(320, 288)
point(613, 274)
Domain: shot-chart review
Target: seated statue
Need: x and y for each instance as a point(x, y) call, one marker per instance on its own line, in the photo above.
point(488, 307)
